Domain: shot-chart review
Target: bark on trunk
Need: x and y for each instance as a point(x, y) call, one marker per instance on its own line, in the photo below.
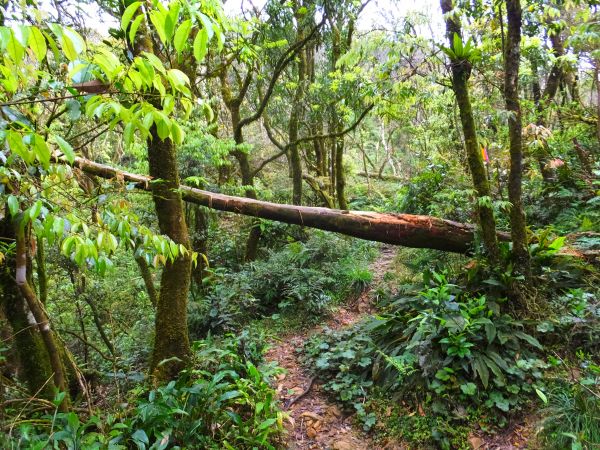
point(382, 177)
point(36, 370)
point(511, 95)
point(39, 316)
point(171, 342)
point(294, 151)
point(398, 229)
point(461, 71)
point(148, 280)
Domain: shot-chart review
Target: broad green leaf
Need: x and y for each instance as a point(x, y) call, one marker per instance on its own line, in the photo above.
point(201, 45)
point(76, 39)
point(177, 133)
point(155, 61)
point(68, 48)
point(15, 142)
point(37, 43)
point(128, 14)
point(13, 205)
point(158, 20)
point(177, 78)
point(66, 148)
point(134, 27)
point(5, 35)
point(171, 19)
point(21, 34)
point(42, 151)
point(529, 339)
point(207, 24)
point(181, 35)
point(15, 50)
point(35, 210)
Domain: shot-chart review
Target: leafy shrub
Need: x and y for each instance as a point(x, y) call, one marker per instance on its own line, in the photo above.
point(457, 346)
point(224, 401)
point(305, 276)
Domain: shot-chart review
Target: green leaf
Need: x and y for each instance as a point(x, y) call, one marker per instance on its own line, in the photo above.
point(267, 423)
point(128, 134)
point(35, 210)
point(42, 151)
point(490, 332)
point(207, 25)
point(15, 142)
point(171, 19)
point(37, 43)
point(177, 78)
point(181, 35)
point(15, 50)
point(529, 339)
point(140, 436)
point(134, 27)
point(66, 148)
point(13, 205)
point(128, 14)
point(468, 388)
point(480, 368)
point(163, 125)
point(177, 133)
point(68, 48)
point(158, 19)
point(542, 396)
point(201, 45)
point(229, 395)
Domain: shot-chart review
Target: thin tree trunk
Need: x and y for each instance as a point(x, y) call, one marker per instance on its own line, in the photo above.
point(40, 265)
point(511, 95)
point(40, 318)
point(461, 71)
point(148, 281)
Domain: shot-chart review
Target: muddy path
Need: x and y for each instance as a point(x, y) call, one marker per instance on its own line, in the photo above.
point(315, 421)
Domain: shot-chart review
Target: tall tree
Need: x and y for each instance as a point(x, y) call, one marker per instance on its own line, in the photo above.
point(512, 56)
point(461, 72)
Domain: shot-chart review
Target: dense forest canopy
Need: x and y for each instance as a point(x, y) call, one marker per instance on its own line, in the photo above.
point(299, 224)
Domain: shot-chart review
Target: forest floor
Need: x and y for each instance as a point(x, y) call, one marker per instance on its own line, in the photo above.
point(316, 422)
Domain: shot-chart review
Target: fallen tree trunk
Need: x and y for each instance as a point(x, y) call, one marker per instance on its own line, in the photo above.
point(383, 177)
point(399, 229)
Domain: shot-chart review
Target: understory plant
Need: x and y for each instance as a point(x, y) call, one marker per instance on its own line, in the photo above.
point(224, 401)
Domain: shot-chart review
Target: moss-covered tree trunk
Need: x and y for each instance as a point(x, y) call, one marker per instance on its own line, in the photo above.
point(33, 358)
point(233, 105)
point(40, 340)
point(171, 350)
point(511, 94)
point(461, 72)
point(171, 341)
point(294, 151)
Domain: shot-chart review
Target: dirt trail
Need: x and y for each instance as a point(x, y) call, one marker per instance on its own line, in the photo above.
point(316, 422)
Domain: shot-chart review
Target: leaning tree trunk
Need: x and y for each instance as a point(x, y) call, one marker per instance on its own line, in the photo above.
point(511, 94)
point(461, 71)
